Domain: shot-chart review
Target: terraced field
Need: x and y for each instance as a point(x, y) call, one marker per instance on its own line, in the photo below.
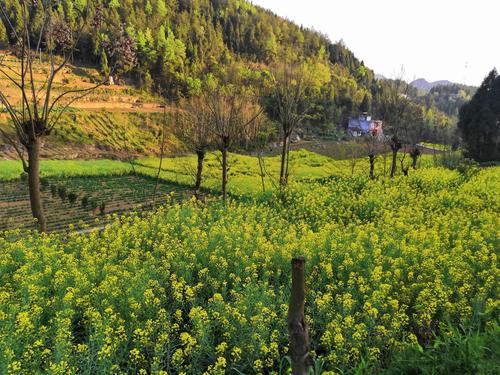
point(81, 200)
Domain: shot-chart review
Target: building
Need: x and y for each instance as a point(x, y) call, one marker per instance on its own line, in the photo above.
point(364, 124)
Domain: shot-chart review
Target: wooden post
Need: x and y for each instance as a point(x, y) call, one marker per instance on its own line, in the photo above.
point(297, 326)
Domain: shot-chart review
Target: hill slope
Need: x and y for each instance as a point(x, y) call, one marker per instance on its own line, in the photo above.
point(179, 44)
point(424, 85)
point(110, 121)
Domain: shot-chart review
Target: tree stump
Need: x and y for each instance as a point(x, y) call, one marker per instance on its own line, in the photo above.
point(297, 326)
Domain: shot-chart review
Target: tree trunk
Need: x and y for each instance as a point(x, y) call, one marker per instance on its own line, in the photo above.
point(287, 164)
point(224, 173)
point(297, 326)
point(284, 161)
point(372, 166)
point(394, 161)
point(414, 157)
point(262, 172)
point(34, 185)
point(199, 171)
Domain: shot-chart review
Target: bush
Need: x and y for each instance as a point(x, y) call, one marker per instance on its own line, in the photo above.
point(102, 208)
point(72, 197)
point(85, 201)
point(468, 167)
point(61, 190)
point(456, 352)
point(93, 204)
point(449, 159)
point(44, 183)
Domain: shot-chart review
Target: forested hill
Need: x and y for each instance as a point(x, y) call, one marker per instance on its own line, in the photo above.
point(179, 41)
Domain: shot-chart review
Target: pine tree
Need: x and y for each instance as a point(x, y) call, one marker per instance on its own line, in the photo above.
point(480, 121)
point(104, 64)
point(366, 104)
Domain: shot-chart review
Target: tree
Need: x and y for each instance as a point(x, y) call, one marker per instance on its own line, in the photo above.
point(233, 110)
point(479, 121)
point(371, 144)
point(193, 129)
point(287, 103)
point(366, 104)
point(104, 64)
point(393, 108)
point(415, 131)
point(39, 109)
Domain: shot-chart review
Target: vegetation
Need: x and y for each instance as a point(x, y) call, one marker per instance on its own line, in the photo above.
point(480, 121)
point(401, 273)
point(393, 270)
point(40, 32)
point(72, 202)
point(180, 43)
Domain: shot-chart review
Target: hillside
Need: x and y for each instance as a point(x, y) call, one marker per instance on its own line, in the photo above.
point(113, 120)
point(180, 43)
point(425, 86)
point(444, 96)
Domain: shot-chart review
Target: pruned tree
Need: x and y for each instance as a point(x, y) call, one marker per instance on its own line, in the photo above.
point(233, 111)
point(415, 131)
point(288, 103)
point(392, 108)
point(372, 145)
point(193, 120)
point(351, 151)
point(36, 110)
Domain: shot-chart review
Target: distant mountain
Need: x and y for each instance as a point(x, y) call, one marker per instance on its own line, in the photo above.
point(424, 85)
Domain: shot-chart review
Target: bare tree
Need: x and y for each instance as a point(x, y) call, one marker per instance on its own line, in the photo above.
point(372, 145)
point(232, 112)
point(393, 109)
point(351, 150)
point(411, 132)
point(40, 107)
point(288, 104)
point(193, 119)
point(414, 133)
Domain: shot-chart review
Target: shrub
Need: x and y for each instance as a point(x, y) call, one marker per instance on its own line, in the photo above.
point(53, 190)
point(44, 183)
point(61, 190)
point(102, 208)
point(72, 197)
point(85, 201)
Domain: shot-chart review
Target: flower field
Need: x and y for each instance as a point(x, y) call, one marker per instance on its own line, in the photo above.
point(402, 277)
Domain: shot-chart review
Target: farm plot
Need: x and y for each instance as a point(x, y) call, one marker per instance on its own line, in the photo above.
point(80, 200)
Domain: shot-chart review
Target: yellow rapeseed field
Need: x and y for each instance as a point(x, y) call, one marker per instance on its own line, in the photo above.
point(202, 288)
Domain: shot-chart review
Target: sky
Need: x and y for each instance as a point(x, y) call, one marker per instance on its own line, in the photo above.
point(457, 40)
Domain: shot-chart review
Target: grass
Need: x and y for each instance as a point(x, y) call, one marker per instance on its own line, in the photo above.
point(11, 170)
point(244, 171)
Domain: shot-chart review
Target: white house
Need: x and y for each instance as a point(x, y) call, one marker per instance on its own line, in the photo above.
point(364, 124)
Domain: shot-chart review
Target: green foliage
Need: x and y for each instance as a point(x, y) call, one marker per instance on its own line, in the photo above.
point(179, 42)
point(480, 121)
point(104, 64)
point(455, 352)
